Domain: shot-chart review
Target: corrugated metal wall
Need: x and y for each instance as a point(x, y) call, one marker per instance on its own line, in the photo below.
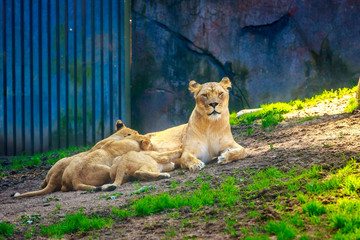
point(62, 72)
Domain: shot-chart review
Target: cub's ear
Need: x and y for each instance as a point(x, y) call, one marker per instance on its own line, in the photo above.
point(145, 145)
point(225, 83)
point(193, 86)
point(119, 125)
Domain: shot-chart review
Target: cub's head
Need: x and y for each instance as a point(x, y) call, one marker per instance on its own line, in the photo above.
point(212, 98)
point(144, 142)
point(146, 145)
point(123, 131)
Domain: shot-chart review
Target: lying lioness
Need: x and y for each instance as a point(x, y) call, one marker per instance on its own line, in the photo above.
point(118, 135)
point(55, 179)
point(207, 134)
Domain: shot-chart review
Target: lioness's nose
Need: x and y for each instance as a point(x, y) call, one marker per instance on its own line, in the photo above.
point(214, 104)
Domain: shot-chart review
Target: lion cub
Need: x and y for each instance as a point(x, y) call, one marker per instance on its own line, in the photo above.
point(145, 165)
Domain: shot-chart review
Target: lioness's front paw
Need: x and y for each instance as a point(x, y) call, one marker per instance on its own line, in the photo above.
point(222, 159)
point(196, 166)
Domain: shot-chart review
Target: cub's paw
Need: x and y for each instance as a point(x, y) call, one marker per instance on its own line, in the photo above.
point(108, 187)
point(196, 166)
point(164, 175)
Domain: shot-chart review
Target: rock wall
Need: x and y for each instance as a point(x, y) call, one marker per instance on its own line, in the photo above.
point(272, 50)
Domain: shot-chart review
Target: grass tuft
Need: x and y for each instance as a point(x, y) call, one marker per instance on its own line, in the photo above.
point(267, 178)
point(352, 105)
point(314, 208)
point(351, 184)
point(6, 229)
point(77, 222)
point(282, 230)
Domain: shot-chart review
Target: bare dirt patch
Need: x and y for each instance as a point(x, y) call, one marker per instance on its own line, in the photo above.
point(327, 140)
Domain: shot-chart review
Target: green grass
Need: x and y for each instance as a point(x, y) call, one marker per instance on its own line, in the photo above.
point(230, 227)
point(282, 230)
point(271, 114)
point(314, 208)
point(233, 119)
point(340, 211)
point(6, 229)
point(307, 118)
point(352, 105)
point(78, 222)
point(267, 177)
point(170, 232)
point(344, 216)
point(225, 194)
point(51, 157)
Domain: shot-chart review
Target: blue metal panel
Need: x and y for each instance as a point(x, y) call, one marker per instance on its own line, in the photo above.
point(61, 73)
point(98, 71)
point(62, 77)
point(10, 51)
point(3, 143)
point(115, 30)
point(106, 66)
point(71, 74)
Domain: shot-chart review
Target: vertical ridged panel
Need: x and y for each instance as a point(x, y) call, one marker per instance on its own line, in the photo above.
point(61, 73)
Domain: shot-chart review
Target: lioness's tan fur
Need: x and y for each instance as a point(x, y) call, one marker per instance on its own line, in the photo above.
point(59, 176)
point(207, 134)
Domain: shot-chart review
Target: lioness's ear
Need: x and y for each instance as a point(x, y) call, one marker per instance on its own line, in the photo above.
point(193, 86)
point(119, 125)
point(225, 83)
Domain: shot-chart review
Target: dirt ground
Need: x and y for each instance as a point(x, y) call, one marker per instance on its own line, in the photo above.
point(326, 140)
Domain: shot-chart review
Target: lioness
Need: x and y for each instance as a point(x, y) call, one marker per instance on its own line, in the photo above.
point(54, 179)
point(207, 133)
point(118, 135)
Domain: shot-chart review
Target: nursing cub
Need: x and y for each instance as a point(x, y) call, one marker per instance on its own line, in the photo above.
point(145, 165)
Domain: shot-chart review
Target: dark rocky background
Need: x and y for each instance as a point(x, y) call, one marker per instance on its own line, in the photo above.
point(272, 50)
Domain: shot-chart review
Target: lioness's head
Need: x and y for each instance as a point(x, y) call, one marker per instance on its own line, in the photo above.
point(211, 98)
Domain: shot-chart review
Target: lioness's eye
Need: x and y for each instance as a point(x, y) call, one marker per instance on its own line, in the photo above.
point(204, 95)
point(220, 94)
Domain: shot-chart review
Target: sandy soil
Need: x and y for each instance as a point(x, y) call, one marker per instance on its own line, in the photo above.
point(326, 140)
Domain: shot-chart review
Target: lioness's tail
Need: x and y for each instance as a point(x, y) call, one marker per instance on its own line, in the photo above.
point(51, 187)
